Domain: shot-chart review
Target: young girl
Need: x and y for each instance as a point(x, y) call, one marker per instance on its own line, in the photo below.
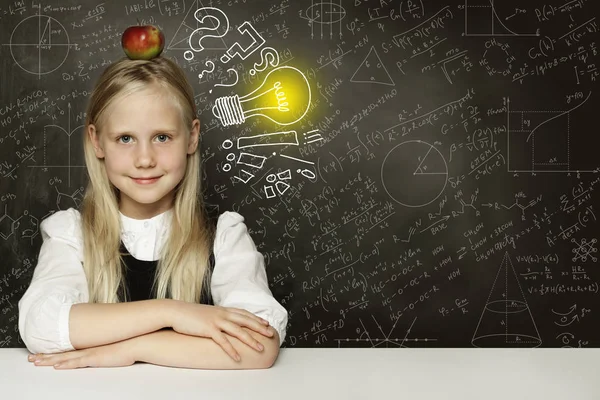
point(130, 277)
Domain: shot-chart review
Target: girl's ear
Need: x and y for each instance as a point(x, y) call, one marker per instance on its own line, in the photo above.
point(93, 134)
point(194, 136)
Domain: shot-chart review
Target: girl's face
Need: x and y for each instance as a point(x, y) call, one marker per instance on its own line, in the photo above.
point(144, 137)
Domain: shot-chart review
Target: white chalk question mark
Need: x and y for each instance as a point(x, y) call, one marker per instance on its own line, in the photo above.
point(265, 54)
point(213, 13)
point(207, 70)
point(229, 84)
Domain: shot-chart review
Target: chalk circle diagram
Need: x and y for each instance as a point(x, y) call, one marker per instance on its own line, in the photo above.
point(414, 173)
point(40, 53)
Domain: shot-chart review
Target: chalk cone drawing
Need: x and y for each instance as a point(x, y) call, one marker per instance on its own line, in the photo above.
point(506, 320)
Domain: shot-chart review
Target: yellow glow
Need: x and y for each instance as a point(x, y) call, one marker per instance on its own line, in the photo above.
point(283, 97)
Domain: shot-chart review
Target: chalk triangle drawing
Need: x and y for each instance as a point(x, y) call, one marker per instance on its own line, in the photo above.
point(47, 30)
point(506, 319)
point(189, 24)
point(372, 70)
point(431, 164)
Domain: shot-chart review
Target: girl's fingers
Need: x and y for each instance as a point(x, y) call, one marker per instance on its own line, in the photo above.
point(237, 332)
point(248, 314)
point(255, 326)
point(239, 319)
point(226, 345)
point(251, 321)
point(47, 359)
point(54, 358)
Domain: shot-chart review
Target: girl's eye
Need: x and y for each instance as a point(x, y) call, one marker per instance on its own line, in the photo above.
point(129, 137)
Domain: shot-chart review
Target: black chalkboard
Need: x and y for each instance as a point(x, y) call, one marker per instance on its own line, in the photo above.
point(439, 189)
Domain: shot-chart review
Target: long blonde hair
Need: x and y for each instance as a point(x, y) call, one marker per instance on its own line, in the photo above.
point(182, 271)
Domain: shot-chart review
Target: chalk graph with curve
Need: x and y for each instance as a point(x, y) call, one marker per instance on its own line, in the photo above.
point(492, 18)
point(546, 141)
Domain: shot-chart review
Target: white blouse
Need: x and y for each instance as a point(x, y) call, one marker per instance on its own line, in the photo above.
point(239, 278)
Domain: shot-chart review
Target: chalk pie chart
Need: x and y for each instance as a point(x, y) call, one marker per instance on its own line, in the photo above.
point(414, 173)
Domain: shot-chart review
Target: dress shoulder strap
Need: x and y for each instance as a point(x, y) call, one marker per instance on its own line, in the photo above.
point(212, 261)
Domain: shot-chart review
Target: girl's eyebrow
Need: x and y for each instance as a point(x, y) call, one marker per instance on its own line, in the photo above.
point(129, 133)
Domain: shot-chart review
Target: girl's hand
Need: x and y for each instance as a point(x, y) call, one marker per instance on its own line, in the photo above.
point(117, 354)
point(214, 321)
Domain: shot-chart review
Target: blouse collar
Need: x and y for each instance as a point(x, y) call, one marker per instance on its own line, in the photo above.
point(141, 225)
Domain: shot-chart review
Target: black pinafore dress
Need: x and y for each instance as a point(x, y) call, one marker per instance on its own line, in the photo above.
point(140, 274)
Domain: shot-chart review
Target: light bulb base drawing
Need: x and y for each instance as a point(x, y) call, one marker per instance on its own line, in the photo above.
point(228, 109)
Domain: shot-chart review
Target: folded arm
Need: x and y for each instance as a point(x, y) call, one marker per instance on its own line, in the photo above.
point(172, 349)
point(55, 316)
point(92, 325)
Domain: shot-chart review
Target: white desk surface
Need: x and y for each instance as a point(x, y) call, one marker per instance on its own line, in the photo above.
point(327, 373)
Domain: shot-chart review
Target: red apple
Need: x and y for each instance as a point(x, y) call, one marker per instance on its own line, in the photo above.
point(142, 42)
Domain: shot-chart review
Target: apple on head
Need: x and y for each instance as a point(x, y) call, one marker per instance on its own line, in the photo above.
point(142, 42)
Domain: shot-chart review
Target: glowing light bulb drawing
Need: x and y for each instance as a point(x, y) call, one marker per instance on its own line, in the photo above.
point(283, 97)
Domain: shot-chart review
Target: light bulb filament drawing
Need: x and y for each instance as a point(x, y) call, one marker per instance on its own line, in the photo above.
point(283, 97)
point(279, 95)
